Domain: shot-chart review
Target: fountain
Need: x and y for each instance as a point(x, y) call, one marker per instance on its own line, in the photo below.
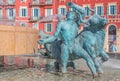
point(67, 44)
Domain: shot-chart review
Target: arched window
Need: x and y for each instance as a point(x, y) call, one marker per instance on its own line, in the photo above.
point(111, 35)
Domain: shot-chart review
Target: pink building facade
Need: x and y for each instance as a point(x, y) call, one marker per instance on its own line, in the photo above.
point(42, 15)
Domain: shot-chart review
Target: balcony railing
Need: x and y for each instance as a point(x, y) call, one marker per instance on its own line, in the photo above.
point(11, 18)
point(34, 18)
point(34, 3)
point(7, 18)
point(49, 18)
point(46, 3)
point(10, 2)
point(112, 18)
point(40, 3)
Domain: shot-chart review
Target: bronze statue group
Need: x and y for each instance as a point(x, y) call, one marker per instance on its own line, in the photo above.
point(66, 44)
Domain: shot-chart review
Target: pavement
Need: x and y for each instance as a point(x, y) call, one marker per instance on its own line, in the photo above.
point(81, 73)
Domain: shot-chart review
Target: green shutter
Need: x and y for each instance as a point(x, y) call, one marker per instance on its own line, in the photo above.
point(102, 10)
point(107, 10)
point(59, 11)
point(95, 11)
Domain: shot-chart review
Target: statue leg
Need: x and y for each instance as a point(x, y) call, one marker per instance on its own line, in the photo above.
point(64, 58)
point(97, 65)
point(104, 57)
point(92, 52)
point(57, 67)
point(82, 53)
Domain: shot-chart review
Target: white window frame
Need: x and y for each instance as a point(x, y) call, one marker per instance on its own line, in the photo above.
point(96, 9)
point(8, 13)
point(46, 26)
point(35, 25)
point(1, 12)
point(35, 1)
point(23, 0)
point(20, 11)
point(32, 12)
point(110, 4)
point(48, 1)
point(46, 12)
point(59, 9)
point(10, 1)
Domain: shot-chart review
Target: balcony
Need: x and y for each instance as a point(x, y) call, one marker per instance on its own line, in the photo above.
point(34, 19)
point(11, 18)
point(34, 3)
point(112, 18)
point(40, 3)
point(10, 2)
point(7, 18)
point(47, 3)
point(49, 18)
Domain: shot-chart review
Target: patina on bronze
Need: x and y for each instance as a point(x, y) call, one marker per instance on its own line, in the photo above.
point(66, 44)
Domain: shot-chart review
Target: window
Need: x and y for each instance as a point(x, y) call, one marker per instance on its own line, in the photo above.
point(23, 12)
point(35, 12)
point(112, 9)
point(87, 11)
point(10, 12)
point(62, 11)
point(1, 13)
point(23, 0)
point(48, 27)
point(35, 1)
point(99, 9)
point(35, 25)
point(10, 1)
point(48, 12)
point(48, 1)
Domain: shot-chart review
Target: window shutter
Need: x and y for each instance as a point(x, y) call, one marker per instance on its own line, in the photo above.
point(20, 12)
point(45, 27)
point(59, 11)
point(95, 9)
point(107, 10)
point(14, 14)
point(7, 13)
point(115, 10)
point(38, 12)
point(0, 12)
point(102, 10)
point(65, 11)
point(32, 12)
point(26, 11)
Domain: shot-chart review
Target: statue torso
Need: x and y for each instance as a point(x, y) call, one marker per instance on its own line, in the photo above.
point(69, 31)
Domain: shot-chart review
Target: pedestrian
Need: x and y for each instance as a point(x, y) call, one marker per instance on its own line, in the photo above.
point(113, 49)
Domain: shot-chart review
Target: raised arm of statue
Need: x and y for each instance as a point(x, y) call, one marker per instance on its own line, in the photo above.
point(77, 7)
point(51, 38)
point(79, 10)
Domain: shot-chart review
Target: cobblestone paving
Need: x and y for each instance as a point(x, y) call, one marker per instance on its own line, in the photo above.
point(82, 73)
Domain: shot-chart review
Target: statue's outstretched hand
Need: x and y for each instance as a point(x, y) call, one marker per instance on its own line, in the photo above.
point(70, 4)
point(40, 41)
